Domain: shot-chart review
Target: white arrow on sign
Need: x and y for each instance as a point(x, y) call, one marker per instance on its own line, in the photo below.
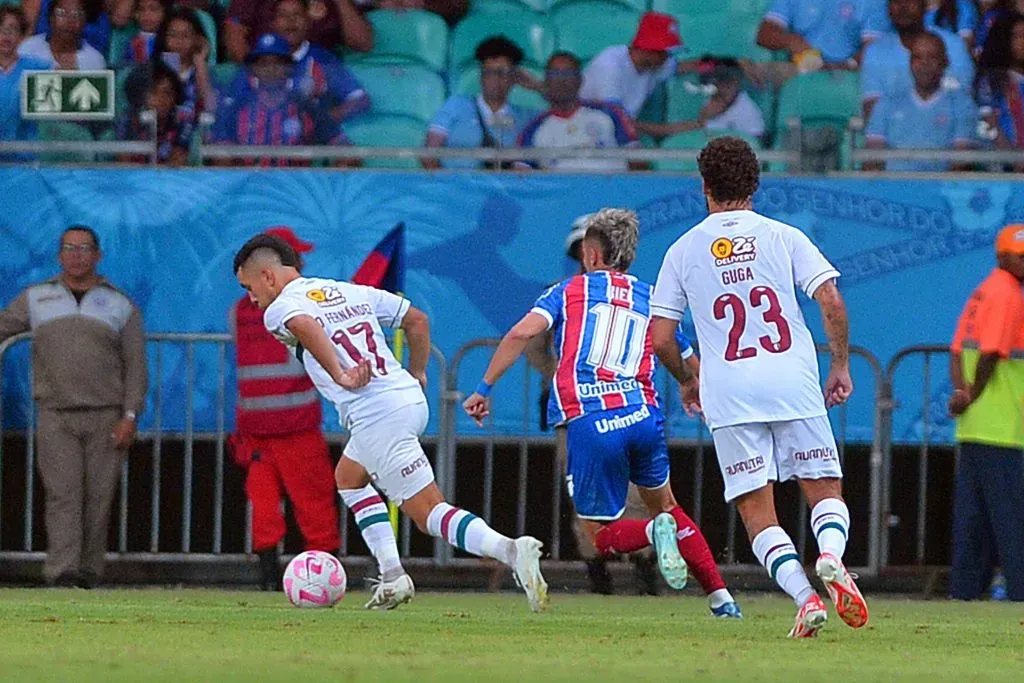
point(84, 95)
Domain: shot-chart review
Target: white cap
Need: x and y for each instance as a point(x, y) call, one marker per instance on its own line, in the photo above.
point(577, 232)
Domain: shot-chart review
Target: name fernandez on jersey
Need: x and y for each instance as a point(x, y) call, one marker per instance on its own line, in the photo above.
point(606, 361)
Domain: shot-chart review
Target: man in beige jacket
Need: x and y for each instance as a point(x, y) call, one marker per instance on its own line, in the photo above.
point(89, 366)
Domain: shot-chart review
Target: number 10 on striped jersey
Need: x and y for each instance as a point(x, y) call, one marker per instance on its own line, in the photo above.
point(618, 340)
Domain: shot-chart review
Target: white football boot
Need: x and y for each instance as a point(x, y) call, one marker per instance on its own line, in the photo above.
point(527, 572)
point(391, 594)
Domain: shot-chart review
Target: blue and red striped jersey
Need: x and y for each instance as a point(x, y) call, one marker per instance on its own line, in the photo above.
point(605, 358)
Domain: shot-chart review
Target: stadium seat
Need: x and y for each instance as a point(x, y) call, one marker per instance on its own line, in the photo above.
point(386, 131)
point(468, 83)
point(210, 31)
point(586, 27)
point(223, 75)
point(634, 5)
point(413, 36)
point(119, 39)
point(723, 34)
point(820, 97)
point(408, 90)
point(503, 6)
point(695, 140)
point(685, 8)
point(68, 132)
point(527, 29)
point(684, 100)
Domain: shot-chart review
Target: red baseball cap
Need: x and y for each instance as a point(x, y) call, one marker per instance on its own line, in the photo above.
point(1011, 240)
point(657, 32)
point(285, 233)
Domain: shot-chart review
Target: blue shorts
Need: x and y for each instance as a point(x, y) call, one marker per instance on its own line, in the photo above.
point(609, 449)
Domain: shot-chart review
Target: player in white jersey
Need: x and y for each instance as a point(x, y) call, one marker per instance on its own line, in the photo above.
point(336, 330)
point(737, 272)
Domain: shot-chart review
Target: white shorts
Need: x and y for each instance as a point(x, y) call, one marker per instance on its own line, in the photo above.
point(390, 450)
point(751, 455)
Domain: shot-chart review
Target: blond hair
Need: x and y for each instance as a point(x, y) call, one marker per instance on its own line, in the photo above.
point(617, 231)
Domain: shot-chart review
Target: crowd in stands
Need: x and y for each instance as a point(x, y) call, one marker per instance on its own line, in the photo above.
point(927, 74)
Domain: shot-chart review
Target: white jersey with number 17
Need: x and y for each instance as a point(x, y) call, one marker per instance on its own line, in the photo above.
point(738, 272)
point(352, 316)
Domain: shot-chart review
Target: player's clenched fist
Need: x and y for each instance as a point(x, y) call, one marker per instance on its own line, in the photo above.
point(357, 377)
point(477, 407)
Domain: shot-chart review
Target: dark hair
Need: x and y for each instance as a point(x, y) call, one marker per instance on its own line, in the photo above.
point(730, 169)
point(162, 72)
point(498, 46)
point(167, 5)
point(947, 15)
point(176, 14)
point(85, 229)
point(93, 9)
point(304, 3)
point(274, 243)
point(996, 57)
point(18, 14)
point(564, 55)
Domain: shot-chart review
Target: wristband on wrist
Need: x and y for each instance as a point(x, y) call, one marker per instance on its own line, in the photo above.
point(484, 389)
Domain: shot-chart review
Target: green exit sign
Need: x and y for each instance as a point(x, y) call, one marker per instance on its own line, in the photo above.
point(67, 95)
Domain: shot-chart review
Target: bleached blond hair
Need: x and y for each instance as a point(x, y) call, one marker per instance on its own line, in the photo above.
point(617, 231)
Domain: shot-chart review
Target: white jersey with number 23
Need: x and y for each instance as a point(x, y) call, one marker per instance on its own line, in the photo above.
point(738, 272)
point(353, 316)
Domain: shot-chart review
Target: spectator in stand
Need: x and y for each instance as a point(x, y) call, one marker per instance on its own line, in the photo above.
point(1000, 84)
point(451, 10)
point(13, 26)
point(182, 45)
point(575, 124)
point(991, 12)
point(956, 16)
point(165, 97)
point(63, 47)
point(886, 67)
point(267, 109)
point(102, 16)
point(319, 75)
point(150, 16)
point(332, 24)
point(487, 120)
point(818, 34)
point(928, 116)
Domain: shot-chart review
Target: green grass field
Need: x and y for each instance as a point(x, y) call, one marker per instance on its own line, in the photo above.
point(179, 635)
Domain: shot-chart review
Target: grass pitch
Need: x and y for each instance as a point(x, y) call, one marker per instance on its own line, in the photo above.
point(208, 635)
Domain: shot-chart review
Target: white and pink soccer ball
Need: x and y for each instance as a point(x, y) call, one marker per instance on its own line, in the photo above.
point(315, 579)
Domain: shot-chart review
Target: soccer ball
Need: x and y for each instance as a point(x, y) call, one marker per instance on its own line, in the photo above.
point(315, 579)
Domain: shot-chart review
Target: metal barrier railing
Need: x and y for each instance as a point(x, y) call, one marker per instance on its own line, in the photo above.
point(927, 351)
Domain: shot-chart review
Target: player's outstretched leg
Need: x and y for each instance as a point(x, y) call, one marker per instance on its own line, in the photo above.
point(775, 551)
point(830, 521)
point(394, 587)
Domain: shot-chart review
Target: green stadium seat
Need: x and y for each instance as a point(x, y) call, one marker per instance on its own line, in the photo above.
point(386, 131)
point(210, 30)
point(224, 74)
point(831, 97)
point(412, 36)
point(527, 29)
point(723, 34)
point(684, 8)
point(468, 83)
point(586, 27)
point(503, 6)
point(684, 102)
point(406, 90)
point(119, 40)
point(640, 6)
point(695, 140)
point(66, 131)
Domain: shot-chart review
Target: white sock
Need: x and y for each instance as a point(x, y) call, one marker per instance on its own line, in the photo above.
point(830, 521)
point(374, 524)
point(776, 552)
point(719, 597)
point(468, 532)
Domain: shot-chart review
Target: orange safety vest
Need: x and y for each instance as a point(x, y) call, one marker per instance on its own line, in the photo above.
point(275, 395)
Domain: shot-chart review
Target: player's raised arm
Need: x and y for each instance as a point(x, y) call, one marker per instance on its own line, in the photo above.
point(478, 405)
point(839, 384)
point(417, 332)
point(314, 340)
